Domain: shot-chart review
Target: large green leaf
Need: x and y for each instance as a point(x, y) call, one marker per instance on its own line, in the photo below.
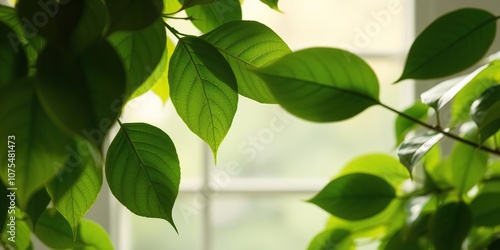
point(271, 3)
point(90, 86)
point(486, 209)
point(37, 205)
point(142, 169)
point(39, 144)
point(247, 45)
point(355, 196)
point(412, 150)
point(76, 186)
point(322, 84)
point(133, 14)
point(450, 225)
point(191, 3)
point(13, 62)
point(338, 239)
point(207, 17)
point(141, 52)
point(450, 44)
point(90, 27)
point(460, 107)
point(468, 166)
point(203, 89)
point(485, 112)
point(54, 231)
point(403, 125)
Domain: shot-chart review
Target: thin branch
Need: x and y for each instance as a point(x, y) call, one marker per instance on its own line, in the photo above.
point(174, 31)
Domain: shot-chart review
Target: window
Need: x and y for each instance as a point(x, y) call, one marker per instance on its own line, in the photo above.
point(271, 162)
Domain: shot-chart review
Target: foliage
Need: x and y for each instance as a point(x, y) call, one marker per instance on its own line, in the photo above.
point(68, 67)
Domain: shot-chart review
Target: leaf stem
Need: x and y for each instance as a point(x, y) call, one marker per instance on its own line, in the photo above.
point(439, 130)
point(189, 18)
point(174, 31)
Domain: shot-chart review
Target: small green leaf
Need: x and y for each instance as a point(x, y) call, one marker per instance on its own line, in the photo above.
point(160, 75)
point(338, 239)
point(37, 205)
point(485, 112)
point(355, 196)
point(191, 3)
point(468, 166)
point(450, 225)
point(144, 156)
point(13, 62)
point(207, 17)
point(486, 209)
point(133, 14)
point(76, 186)
point(403, 125)
point(460, 107)
point(441, 51)
point(203, 89)
point(271, 3)
point(39, 144)
point(412, 150)
point(247, 45)
point(322, 84)
point(22, 233)
point(54, 231)
point(141, 52)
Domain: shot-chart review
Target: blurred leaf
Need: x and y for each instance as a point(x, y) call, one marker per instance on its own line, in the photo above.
point(460, 107)
point(468, 166)
point(13, 62)
point(418, 111)
point(398, 241)
point(90, 27)
point(412, 150)
point(207, 17)
point(141, 52)
point(271, 3)
point(486, 209)
point(39, 144)
point(160, 75)
point(322, 84)
point(247, 45)
point(338, 239)
point(133, 14)
point(77, 185)
point(383, 166)
point(54, 231)
point(191, 3)
point(441, 51)
point(203, 89)
point(4, 206)
point(144, 156)
point(22, 239)
point(485, 112)
point(450, 225)
point(171, 6)
point(37, 205)
point(355, 196)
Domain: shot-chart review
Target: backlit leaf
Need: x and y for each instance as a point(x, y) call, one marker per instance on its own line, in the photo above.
point(441, 51)
point(271, 3)
point(450, 225)
point(142, 169)
point(22, 233)
point(191, 3)
point(338, 239)
point(203, 89)
point(485, 112)
point(247, 45)
point(207, 17)
point(160, 75)
point(37, 205)
point(322, 84)
point(468, 166)
point(412, 150)
point(133, 14)
point(355, 196)
point(418, 111)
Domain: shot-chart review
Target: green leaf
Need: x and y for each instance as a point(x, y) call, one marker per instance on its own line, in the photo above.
point(460, 107)
point(438, 96)
point(191, 3)
point(272, 3)
point(355, 196)
point(403, 125)
point(450, 44)
point(203, 89)
point(77, 185)
point(322, 84)
point(39, 144)
point(140, 51)
point(90, 27)
point(450, 226)
point(383, 166)
point(207, 17)
point(160, 75)
point(468, 166)
point(22, 231)
point(486, 209)
point(484, 112)
point(412, 150)
point(133, 14)
point(54, 231)
point(398, 241)
point(247, 45)
point(4, 206)
point(13, 62)
point(338, 239)
point(145, 156)
point(90, 86)
point(37, 205)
